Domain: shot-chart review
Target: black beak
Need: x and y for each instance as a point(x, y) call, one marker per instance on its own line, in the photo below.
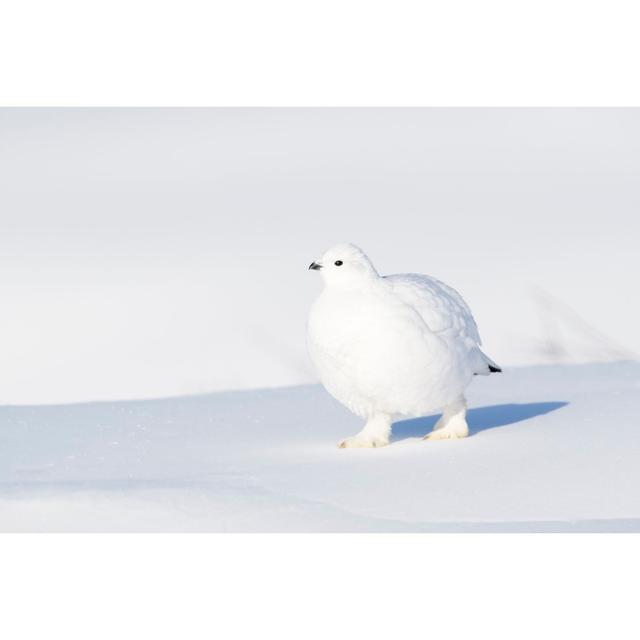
point(315, 266)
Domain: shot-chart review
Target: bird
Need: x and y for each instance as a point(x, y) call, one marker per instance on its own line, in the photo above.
point(389, 347)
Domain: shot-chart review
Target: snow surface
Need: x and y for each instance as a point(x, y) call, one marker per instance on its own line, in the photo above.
point(552, 448)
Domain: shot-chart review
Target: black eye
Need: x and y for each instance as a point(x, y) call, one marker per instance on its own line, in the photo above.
point(338, 263)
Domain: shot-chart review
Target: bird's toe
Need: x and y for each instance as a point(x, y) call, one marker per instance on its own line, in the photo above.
point(357, 442)
point(443, 434)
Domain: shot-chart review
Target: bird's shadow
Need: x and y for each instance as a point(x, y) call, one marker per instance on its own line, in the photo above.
point(478, 419)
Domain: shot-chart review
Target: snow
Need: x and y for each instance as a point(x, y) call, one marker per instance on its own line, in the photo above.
point(552, 448)
point(156, 252)
point(163, 253)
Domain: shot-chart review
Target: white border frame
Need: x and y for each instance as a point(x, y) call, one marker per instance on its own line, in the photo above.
point(311, 53)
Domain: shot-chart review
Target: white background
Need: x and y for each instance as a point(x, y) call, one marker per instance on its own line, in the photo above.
point(287, 53)
point(313, 586)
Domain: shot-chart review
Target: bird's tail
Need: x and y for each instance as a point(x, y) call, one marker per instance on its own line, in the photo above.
point(486, 365)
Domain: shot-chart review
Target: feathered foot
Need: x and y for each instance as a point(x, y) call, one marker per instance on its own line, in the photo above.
point(375, 434)
point(452, 424)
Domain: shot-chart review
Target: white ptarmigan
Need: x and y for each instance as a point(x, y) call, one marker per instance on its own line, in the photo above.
point(391, 346)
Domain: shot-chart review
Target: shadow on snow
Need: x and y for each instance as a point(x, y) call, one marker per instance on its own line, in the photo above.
point(478, 419)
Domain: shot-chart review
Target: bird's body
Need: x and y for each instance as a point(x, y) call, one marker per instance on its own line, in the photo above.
point(401, 345)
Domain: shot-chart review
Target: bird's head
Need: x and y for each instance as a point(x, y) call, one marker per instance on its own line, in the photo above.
point(346, 266)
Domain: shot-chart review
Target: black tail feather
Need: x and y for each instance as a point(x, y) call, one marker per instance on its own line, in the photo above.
point(494, 369)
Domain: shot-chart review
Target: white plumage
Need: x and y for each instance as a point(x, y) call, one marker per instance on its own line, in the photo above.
point(390, 346)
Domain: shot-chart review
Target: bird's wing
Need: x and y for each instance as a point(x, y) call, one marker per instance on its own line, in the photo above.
point(441, 307)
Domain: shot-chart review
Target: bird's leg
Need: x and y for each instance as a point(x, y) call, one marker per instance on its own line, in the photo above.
point(453, 423)
point(375, 433)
